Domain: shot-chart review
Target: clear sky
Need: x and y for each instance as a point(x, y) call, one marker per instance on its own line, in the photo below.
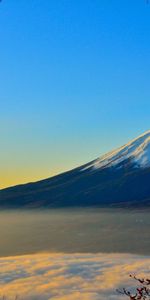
point(74, 82)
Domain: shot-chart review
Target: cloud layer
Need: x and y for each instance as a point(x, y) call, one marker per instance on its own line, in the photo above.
point(69, 276)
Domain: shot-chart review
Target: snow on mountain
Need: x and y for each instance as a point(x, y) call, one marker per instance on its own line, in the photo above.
point(125, 185)
point(138, 150)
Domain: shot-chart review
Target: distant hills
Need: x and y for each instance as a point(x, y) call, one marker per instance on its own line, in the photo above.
point(118, 178)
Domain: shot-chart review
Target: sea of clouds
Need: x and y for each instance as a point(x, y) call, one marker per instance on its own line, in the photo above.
point(70, 276)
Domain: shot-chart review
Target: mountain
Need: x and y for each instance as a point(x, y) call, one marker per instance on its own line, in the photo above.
point(118, 178)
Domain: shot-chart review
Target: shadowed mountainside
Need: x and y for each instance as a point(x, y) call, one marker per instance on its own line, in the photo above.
point(119, 178)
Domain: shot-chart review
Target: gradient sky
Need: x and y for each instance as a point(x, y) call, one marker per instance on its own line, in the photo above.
point(75, 82)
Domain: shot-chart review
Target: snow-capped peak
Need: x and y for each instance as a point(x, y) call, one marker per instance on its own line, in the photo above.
point(138, 150)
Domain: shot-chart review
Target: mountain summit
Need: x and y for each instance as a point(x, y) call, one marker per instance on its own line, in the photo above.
point(138, 151)
point(118, 178)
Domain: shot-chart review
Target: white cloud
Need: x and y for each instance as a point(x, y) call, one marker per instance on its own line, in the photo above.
point(69, 276)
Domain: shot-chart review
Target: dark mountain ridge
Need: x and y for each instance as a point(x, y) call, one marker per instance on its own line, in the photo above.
point(119, 178)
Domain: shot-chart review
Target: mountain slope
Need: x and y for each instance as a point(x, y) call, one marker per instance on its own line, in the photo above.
point(138, 150)
point(121, 177)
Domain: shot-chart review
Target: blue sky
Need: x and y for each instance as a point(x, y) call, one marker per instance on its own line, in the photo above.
point(75, 82)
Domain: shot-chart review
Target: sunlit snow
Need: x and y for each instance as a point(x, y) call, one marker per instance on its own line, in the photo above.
point(138, 150)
